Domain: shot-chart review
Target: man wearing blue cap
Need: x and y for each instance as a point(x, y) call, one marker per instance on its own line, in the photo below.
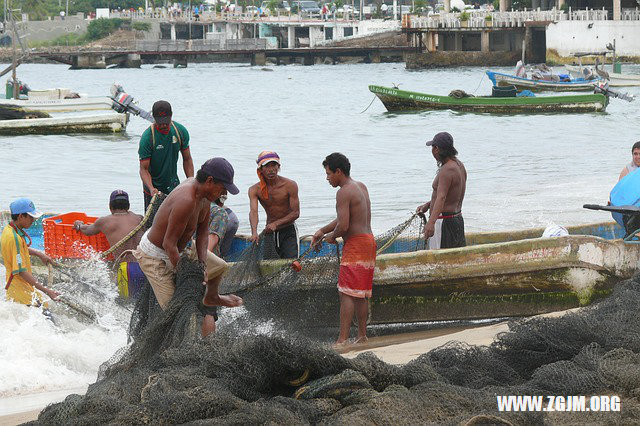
point(21, 285)
point(183, 212)
point(445, 226)
point(116, 227)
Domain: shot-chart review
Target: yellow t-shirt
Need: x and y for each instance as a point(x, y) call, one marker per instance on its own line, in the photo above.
point(15, 254)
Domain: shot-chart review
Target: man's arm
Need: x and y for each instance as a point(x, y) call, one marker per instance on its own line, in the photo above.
point(202, 233)
point(187, 162)
point(41, 255)
point(623, 173)
point(342, 221)
point(176, 225)
point(422, 208)
point(294, 207)
point(89, 229)
point(253, 213)
point(145, 175)
point(28, 277)
point(444, 183)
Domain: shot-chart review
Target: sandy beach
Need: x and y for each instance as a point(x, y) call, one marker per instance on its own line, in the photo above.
point(18, 409)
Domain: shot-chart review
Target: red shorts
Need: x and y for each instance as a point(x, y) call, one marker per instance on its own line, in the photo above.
point(357, 266)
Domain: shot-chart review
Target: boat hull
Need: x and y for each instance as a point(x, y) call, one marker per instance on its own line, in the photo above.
point(502, 80)
point(96, 103)
point(399, 100)
point(519, 278)
point(99, 123)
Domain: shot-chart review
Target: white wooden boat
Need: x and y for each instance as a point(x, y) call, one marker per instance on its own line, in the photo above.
point(66, 124)
point(615, 79)
point(499, 79)
point(51, 104)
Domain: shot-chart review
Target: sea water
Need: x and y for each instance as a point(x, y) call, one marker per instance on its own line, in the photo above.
point(523, 170)
point(41, 355)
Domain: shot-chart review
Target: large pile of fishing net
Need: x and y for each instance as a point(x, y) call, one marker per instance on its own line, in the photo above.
point(169, 376)
point(240, 375)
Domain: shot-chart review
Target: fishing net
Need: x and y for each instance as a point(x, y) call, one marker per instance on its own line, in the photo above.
point(240, 375)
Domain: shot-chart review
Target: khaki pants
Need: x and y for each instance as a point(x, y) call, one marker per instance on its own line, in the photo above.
point(162, 275)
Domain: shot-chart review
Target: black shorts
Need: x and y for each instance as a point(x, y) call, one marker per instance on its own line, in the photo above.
point(282, 244)
point(209, 310)
point(452, 232)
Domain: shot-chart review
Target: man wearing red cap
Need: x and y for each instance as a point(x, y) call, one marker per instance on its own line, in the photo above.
point(158, 151)
point(445, 227)
point(279, 198)
point(185, 212)
point(115, 227)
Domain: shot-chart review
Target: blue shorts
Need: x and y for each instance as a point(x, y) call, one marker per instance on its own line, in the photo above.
point(130, 279)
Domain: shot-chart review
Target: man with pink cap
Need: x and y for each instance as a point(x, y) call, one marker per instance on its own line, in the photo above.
point(279, 198)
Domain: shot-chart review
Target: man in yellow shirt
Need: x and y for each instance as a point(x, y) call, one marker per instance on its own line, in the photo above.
point(16, 254)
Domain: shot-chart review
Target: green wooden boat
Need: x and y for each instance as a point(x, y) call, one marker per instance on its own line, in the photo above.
point(401, 100)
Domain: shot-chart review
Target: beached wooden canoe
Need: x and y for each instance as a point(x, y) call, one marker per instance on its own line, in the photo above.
point(499, 274)
point(65, 124)
point(576, 85)
point(400, 100)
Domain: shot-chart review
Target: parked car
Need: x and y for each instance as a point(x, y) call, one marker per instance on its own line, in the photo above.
point(308, 7)
point(283, 7)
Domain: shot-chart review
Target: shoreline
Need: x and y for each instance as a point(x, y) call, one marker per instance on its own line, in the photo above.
point(19, 409)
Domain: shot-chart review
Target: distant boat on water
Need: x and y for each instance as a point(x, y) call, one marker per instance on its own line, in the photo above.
point(396, 100)
point(522, 83)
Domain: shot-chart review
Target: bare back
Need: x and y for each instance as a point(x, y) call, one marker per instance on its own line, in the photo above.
point(179, 216)
point(454, 174)
point(117, 226)
point(357, 196)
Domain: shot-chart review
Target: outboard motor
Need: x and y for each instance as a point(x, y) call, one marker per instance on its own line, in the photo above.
point(123, 102)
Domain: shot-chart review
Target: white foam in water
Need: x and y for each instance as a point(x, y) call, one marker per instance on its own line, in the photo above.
point(39, 356)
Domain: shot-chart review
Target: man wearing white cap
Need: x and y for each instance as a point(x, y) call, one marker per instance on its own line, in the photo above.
point(21, 285)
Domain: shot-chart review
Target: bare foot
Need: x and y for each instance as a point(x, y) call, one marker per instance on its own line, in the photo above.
point(340, 345)
point(228, 300)
point(361, 340)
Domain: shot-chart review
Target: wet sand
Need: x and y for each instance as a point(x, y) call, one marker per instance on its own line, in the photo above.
point(400, 349)
point(15, 410)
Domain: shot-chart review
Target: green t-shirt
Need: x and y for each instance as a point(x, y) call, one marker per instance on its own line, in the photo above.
point(164, 155)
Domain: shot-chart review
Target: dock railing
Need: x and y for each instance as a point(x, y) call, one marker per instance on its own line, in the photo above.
point(485, 19)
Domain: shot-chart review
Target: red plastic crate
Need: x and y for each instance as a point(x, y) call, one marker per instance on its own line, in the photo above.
point(61, 240)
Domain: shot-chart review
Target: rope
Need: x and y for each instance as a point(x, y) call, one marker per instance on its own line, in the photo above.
point(371, 103)
point(127, 237)
point(481, 80)
point(395, 237)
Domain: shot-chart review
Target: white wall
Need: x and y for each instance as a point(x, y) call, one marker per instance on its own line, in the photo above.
point(568, 37)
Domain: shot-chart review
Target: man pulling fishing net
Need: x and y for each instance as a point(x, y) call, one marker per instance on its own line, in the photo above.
point(185, 211)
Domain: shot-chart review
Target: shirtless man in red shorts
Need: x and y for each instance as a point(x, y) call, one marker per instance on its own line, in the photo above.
point(358, 260)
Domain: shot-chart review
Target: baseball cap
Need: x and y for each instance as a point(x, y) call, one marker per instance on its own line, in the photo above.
point(441, 140)
point(118, 194)
point(24, 205)
point(222, 171)
point(161, 112)
point(266, 157)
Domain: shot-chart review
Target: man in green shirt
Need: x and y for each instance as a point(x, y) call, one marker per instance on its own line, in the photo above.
point(158, 153)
